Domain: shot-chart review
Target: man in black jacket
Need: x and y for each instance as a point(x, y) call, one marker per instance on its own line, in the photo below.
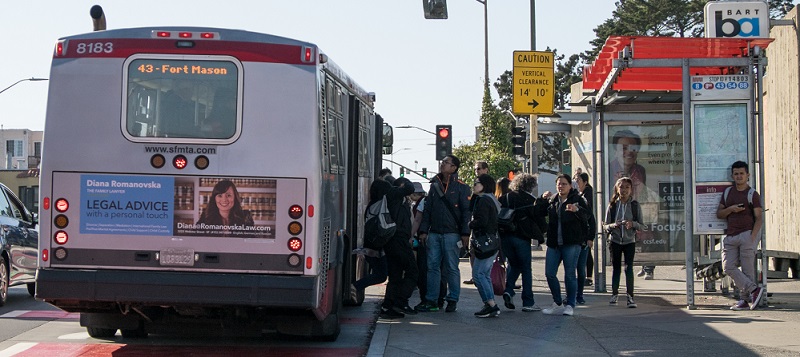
point(445, 230)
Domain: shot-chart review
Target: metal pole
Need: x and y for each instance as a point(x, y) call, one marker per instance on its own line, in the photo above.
point(533, 164)
point(687, 179)
point(486, 43)
point(32, 79)
point(760, 61)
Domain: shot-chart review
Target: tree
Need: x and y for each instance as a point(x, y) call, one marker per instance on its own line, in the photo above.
point(493, 144)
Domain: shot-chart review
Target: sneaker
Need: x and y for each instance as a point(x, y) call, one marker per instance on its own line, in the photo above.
point(740, 305)
point(648, 276)
point(469, 282)
point(488, 311)
point(756, 297)
point(440, 303)
point(405, 310)
point(452, 306)
point(568, 311)
point(426, 307)
point(641, 273)
point(507, 301)
point(391, 314)
point(580, 300)
point(555, 309)
point(587, 282)
point(531, 308)
point(631, 303)
point(614, 299)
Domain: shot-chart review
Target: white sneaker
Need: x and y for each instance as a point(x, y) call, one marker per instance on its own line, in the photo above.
point(531, 308)
point(555, 309)
point(568, 311)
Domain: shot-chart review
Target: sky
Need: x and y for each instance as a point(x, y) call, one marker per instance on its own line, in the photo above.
point(423, 72)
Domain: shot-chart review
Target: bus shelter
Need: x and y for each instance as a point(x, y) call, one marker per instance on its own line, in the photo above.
point(673, 114)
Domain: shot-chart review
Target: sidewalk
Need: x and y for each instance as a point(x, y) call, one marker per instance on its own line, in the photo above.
point(661, 325)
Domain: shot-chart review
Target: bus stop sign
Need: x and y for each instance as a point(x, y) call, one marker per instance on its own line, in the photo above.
point(533, 87)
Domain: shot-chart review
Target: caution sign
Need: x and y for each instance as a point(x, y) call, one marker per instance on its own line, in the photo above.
point(533, 88)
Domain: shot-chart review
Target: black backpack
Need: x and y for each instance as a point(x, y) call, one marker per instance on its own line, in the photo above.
point(379, 226)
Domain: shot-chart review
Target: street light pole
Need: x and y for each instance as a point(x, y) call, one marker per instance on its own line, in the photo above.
point(415, 127)
point(533, 122)
point(485, 42)
point(32, 79)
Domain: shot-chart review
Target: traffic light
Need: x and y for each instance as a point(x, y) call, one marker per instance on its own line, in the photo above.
point(425, 172)
point(444, 141)
point(402, 171)
point(518, 139)
point(435, 9)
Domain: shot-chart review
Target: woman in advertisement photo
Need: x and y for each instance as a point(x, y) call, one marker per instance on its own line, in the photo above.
point(225, 207)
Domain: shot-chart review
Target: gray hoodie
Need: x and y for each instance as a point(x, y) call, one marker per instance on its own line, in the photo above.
point(623, 211)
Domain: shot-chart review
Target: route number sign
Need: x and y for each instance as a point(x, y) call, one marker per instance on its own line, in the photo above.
point(533, 88)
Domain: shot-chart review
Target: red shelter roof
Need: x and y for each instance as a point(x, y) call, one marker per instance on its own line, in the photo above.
point(668, 78)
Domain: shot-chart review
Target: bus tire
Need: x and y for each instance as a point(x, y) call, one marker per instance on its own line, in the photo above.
point(99, 332)
point(32, 289)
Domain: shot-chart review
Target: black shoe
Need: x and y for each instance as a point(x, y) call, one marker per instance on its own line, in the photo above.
point(452, 306)
point(391, 314)
point(440, 303)
point(507, 301)
point(405, 310)
point(488, 311)
point(588, 282)
point(469, 282)
point(426, 307)
point(518, 286)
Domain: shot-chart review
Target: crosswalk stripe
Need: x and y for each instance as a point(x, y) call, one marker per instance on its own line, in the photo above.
point(17, 348)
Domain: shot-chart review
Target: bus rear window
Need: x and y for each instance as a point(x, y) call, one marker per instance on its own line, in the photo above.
point(182, 99)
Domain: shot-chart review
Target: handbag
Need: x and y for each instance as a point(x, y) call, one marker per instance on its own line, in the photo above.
point(484, 244)
point(498, 275)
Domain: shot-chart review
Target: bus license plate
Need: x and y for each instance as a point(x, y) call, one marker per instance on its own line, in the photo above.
point(177, 257)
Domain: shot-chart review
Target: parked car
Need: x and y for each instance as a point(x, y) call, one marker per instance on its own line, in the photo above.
point(19, 239)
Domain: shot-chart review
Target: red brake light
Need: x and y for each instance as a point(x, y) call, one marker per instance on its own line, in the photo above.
point(185, 35)
point(163, 34)
point(46, 203)
point(308, 55)
point(295, 244)
point(179, 162)
point(62, 205)
point(295, 212)
point(61, 48)
point(207, 35)
point(45, 255)
point(310, 210)
point(61, 237)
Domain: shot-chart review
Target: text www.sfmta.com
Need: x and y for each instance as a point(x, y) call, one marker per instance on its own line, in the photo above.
point(180, 150)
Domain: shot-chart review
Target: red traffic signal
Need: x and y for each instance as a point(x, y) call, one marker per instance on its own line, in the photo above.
point(444, 133)
point(444, 141)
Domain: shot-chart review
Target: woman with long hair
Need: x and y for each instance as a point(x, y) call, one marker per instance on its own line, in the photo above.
point(225, 207)
point(622, 220)
point(484, 207)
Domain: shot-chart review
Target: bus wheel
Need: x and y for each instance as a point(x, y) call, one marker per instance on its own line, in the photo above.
point(32, 289)
point(99, 332)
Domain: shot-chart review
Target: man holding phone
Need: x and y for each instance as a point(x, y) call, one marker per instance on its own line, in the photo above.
point(745, 219)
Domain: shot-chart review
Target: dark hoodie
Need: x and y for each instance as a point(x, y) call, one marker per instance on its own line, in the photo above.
point(394, 201)
point(573, 224)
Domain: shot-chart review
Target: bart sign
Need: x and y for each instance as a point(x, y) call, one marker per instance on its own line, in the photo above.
point(741, 19)
point(533, 88)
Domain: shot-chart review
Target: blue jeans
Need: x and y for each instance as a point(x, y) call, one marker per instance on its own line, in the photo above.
point(582, 259)
point(569, 255)
point(443, 250)
point(518, 253)
point(482, 276)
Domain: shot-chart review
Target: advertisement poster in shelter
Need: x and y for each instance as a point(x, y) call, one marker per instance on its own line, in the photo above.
point(652, 156)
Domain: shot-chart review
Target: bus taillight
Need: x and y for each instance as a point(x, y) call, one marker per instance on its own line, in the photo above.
point(309, 262)
point(296, 211)
point(45, 254)
point(295, 228)
point(201, 162)
point(163, 34)
point(62, 205)
point(158, 161)
point(295, 244)
point(185, 35)
point(179, 162)
point(207, 35)
point(61, 48)
point(61, 221)
point(46, 203)
point(310, 210)
point(308, 55)
point(61, 237)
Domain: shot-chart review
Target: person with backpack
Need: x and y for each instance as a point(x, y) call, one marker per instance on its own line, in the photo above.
point(400, 258)
point(567, 215)
point(445, 230)
point(585, 263)
point(741, 207)
point(622, 220)
point(529, 224)
point(484, 207)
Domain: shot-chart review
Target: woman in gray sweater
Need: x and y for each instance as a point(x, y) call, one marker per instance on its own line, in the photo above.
point(623, 219)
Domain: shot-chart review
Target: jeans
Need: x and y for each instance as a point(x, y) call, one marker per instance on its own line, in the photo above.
point(482, 276)
point(378, 270)
point(443, 262)
point(422, 266)
point(582, 268)
point(740, 250)
point(569, 255)
point(518, 252)
point(617, 252)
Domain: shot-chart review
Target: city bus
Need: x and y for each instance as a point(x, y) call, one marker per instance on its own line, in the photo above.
point(197, 175)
